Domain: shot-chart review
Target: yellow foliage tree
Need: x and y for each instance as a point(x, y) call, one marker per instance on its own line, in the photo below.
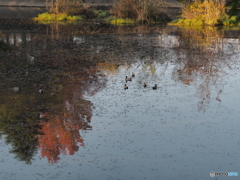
point(209, 12)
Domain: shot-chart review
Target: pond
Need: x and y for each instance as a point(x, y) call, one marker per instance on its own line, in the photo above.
point(64, 112)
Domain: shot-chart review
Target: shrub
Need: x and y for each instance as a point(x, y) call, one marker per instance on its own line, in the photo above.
point(139, 10)
point(101, 14)
point(57, 17)
point(84, 11)
point(229, 21)
point(61, 16)
point(62, 6)
point(74, 18)
point(209, 12)
point(124, 9)
point(121, 21)
point(45, 16)
point(71, 8)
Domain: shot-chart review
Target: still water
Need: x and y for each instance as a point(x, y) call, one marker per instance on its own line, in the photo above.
point(64, 112)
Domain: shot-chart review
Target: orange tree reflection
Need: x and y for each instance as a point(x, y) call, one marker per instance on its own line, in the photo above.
point(60, 132)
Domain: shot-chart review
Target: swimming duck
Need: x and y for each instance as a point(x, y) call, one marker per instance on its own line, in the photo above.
point(144, 85)
point(128, 79)
point(133, 75)
point(125, 87)
point(154, 87)
point(17, 89)
point(41, 90)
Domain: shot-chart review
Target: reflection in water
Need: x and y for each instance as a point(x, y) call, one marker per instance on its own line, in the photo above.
point(203, 70)
point(82, 69)
point(61, 128)
point(62, 108)
point(208, 38)
point(59, 137)
point(204, 64)
point(18, 125)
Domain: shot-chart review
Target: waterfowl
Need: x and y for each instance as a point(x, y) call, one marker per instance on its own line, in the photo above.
point(125, 87)
point(144, 85)
point(133, 75)
point(154, 87)
point(41, 90)
point(17, 89)
point(128, 79)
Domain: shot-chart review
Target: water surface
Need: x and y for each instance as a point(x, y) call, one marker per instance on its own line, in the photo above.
point(86, 126)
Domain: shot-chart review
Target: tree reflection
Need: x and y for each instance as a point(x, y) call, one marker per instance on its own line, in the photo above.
point(60, 135)
point(61, 126)
point(17, 123)
point(65, 77)
point(207, 38)
point(63, 114)
point(203, 64)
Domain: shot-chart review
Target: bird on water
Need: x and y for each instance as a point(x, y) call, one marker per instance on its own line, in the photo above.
point(40, 90)
point(128, 79)
point(154, 87)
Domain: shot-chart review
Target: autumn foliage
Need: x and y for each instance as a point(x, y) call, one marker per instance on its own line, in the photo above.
point(61, 125)
point(202, 13)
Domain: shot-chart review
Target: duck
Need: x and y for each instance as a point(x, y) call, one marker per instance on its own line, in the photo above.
point(17, 89)
point(133, 75)
point(40, 90)
point(144, 85)
point(128, 79)
point(154, 87)
point(125, 87)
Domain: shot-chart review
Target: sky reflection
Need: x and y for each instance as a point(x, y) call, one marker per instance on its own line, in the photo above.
point(148, 134)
